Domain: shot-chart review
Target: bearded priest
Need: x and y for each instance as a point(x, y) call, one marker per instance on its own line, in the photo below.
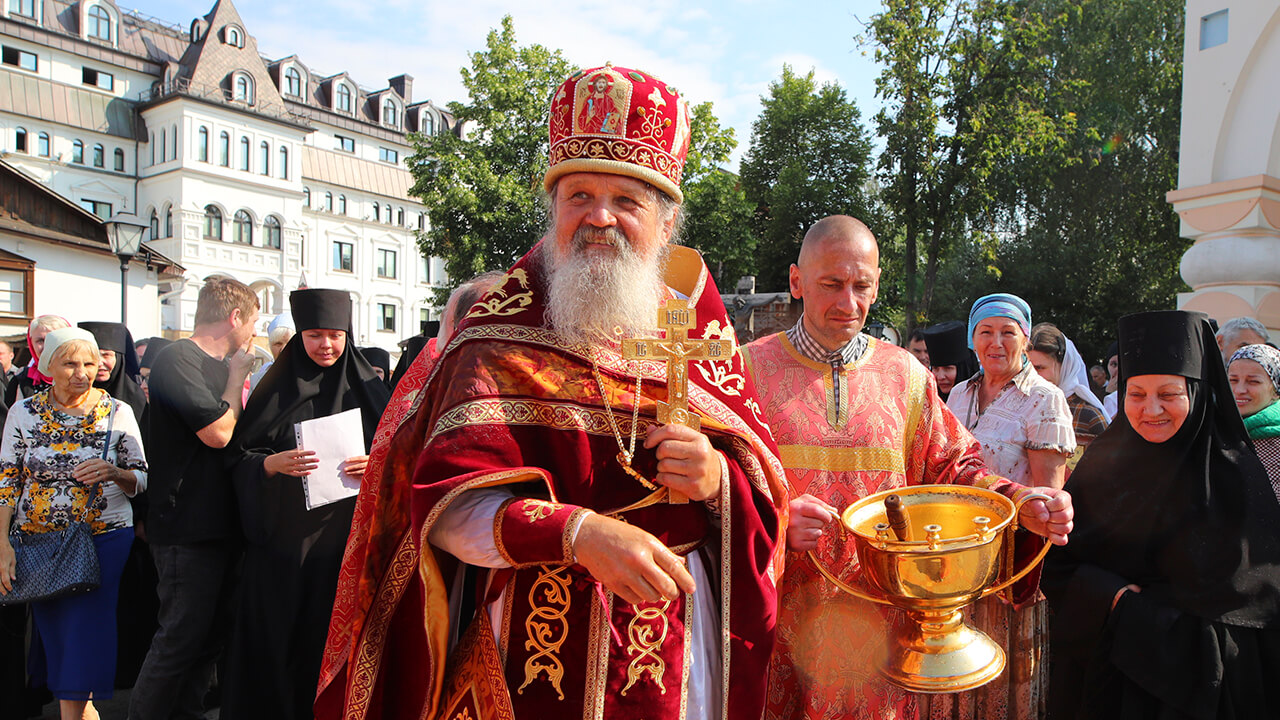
point(535, 543)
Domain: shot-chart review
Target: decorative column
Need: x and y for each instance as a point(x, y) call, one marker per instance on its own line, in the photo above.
point(1228, 196)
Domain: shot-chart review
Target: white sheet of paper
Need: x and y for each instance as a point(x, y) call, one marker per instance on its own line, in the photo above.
point(333, 439)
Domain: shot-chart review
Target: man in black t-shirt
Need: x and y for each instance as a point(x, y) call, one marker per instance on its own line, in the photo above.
point(197, 386)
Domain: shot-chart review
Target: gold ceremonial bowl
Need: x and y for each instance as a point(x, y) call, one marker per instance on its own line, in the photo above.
point(958, 548)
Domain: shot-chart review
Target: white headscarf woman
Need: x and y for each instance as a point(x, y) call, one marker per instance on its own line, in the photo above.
point(1056, 359)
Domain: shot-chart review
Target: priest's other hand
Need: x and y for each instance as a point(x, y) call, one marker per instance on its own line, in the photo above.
point(686, 461)
point(291, 462)
point(354, 466)
point(633, 564)
point(808, 516)
point(1053, 519)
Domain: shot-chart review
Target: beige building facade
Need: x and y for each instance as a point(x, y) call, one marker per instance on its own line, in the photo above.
point(1228, 196)
point(270, 171)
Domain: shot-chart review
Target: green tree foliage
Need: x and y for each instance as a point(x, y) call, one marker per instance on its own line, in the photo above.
point(965, 86)
point(1095, 237)
point(482, 192)
point(717, 214)
point(809, 158)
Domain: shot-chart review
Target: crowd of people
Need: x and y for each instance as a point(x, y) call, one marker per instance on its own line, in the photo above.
point(545, 527)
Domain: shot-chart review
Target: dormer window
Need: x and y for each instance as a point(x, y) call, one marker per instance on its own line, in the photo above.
point(293, 82)
point(428, 124)
point(233, 35)
point(25, 8)
point(242, 88)
point(390, 113)
point(99, 23)
point(342, 98)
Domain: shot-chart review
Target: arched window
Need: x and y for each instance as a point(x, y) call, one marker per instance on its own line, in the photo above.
point(168, 221)
point(99, 23)
point(344, 98)
point(242, 228)
point(173, 137)
point(42, 144)
point(428, 124)
point(99, 156)
point(400, 217)
point(119, 159)
point(151, 143)
point(377, 212)
point(390, 115)
point(328, 202)
point(234, 36)
point(155, 225)
point(162, 158)
point(243, 89)
point(224, 149)
point(244, 153)
point(77, 152)
point(212, 222)
point(20, 140)
point(388, 214)
point(422, 221)
point(284, 163)
point(202, 144)
point(293, 82)
point(306, 197)
point(342, 204)
point(264, 158)
point(271, 232)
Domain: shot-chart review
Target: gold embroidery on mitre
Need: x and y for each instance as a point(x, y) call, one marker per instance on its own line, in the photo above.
point(536, 510)
point(647, 632)
point(547, 627)
point(498, 302)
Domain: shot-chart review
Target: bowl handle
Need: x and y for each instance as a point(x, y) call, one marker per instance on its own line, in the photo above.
point(862, 594)
point(1017, 510)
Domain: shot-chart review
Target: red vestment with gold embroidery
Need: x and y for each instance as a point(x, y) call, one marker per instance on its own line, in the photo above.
point(888, 428)
point(509, 404)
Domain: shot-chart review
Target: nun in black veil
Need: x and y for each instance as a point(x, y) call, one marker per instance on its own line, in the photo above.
point(119, 369)
point(1166, 601)
point(293, 555)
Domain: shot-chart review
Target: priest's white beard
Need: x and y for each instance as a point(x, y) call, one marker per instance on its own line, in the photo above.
point(598, 297)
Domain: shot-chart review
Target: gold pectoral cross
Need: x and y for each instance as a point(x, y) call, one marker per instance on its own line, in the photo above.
point(676, 319)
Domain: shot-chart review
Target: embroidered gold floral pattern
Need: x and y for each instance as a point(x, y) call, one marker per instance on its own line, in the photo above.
point(537, 510)
point(561, 416)
point(646, 633)
point(720, 373)
point(619, 150)
point(499, 301)
point(547, 627)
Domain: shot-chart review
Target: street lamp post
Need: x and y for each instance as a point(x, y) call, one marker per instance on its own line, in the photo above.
point(124, 233)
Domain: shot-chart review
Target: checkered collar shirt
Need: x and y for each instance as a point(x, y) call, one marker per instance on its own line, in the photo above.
point(812, 349)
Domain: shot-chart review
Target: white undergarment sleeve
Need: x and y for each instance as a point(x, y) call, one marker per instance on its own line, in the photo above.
point(465, 528)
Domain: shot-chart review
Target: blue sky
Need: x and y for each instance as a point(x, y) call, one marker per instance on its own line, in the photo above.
point(726, 51)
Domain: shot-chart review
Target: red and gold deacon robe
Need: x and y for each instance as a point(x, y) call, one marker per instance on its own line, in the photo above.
point(887, 429)
point(509, 404)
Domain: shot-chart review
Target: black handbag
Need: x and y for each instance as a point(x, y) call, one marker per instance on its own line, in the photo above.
point(60, 562)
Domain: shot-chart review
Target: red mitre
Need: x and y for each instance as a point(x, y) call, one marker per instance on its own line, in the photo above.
point(620, 121)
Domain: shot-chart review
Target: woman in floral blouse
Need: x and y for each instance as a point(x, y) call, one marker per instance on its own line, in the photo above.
point(53, 472)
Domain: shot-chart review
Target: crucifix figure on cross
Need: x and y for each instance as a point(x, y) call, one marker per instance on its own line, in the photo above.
point(676, 319)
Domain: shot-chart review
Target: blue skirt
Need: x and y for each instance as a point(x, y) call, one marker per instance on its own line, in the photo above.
point(79, 631)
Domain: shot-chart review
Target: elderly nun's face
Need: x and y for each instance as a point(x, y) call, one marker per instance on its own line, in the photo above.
point(1000, 344)
point(1251, 386)
point(1156, 405)
point(324, 347)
